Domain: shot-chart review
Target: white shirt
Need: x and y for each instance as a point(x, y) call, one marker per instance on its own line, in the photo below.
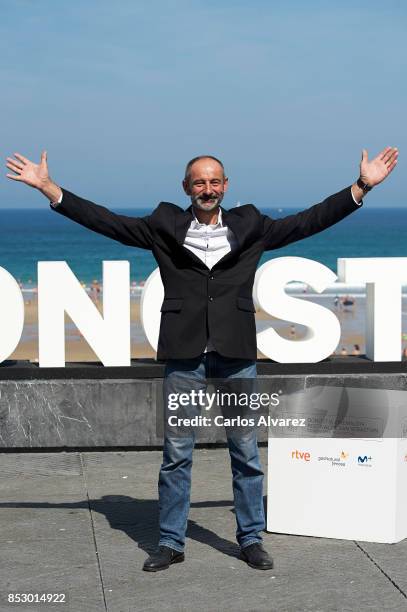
point(209, 242)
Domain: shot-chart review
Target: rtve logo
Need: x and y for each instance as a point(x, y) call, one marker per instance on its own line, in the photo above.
point(296, 454)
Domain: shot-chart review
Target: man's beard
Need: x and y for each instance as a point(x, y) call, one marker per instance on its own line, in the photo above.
point(207, 203)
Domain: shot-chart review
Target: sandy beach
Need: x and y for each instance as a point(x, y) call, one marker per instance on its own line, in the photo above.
point(77, 349)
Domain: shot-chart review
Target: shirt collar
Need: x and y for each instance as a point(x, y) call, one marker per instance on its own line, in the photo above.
point(218, 224)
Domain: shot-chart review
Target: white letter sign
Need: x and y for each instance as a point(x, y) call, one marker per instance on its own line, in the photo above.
point(150, 304)
point(384, 277)
point(11, 314)
point(324, 330)
point(59, 291)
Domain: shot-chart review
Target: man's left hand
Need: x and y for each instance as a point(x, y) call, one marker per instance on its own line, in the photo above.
point(375, 171)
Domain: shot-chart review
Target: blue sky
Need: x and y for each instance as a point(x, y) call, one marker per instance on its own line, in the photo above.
point(123, 94)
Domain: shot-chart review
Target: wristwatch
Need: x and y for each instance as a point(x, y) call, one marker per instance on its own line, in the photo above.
point(363, 186)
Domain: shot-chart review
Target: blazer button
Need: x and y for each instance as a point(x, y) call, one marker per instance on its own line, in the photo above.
point(211, 278)
point(210, 298)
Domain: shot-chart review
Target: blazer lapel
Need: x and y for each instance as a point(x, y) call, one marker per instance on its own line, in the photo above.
point(239, 228)
point(236, 224)
point(182, 223)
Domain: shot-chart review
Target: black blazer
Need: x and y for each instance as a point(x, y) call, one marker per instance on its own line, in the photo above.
point(199, 301)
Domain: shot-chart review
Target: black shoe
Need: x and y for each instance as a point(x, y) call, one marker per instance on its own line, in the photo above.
point(256, 557)
point(162, 558)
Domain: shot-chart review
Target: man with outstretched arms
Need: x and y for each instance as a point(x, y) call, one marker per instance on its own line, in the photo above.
point(207, 257)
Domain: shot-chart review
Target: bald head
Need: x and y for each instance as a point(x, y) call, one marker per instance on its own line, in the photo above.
point(198, 159)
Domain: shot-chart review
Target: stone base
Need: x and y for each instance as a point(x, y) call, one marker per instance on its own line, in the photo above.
point(90, 406)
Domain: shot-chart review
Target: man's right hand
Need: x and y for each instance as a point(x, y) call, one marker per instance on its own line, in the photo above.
point(34, 175)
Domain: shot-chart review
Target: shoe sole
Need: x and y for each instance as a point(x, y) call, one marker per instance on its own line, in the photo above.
point(257, 567)
point(164, 567)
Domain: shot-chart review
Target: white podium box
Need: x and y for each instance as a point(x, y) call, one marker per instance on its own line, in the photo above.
point(331, 478)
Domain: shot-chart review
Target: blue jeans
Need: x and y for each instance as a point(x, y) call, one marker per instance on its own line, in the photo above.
point(174, 484)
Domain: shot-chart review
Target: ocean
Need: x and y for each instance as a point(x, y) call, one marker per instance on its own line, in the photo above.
point(29, 236)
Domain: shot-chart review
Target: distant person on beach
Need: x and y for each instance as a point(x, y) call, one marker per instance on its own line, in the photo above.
point(356, 349)
point(95, 291)
point(348, 302)
point(207, 257)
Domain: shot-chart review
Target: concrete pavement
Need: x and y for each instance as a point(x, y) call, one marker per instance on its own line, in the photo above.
point(83, 523)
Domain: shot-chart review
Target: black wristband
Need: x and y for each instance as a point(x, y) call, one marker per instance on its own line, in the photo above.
point(363, 186)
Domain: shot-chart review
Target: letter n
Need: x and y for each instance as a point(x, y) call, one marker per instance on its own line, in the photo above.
point(59, 291)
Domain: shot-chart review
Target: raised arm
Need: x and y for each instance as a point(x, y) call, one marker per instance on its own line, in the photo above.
point(132, 231)
point(280, 232)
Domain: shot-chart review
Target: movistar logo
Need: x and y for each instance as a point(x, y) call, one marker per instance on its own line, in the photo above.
point(364, 459)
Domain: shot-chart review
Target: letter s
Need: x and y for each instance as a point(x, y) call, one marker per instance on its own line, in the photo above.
point(324, 330)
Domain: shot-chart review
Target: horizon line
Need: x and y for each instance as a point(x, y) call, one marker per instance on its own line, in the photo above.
point(46, 207)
